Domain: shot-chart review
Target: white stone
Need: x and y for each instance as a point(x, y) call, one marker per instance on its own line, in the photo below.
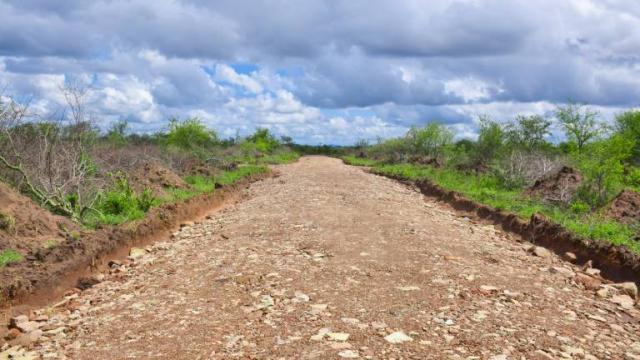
point(398, 337)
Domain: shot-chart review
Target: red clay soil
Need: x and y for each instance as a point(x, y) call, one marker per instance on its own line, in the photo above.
point(48, 271)
point(557, 187)
point(157, 178)
point(625, 208)
point(29, 227)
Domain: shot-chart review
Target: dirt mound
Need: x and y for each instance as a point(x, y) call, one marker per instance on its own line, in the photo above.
point(560, 186)
point(625, 208)
point(474, 168)
point(157, 178)
point(424, 160)
point(25, 226)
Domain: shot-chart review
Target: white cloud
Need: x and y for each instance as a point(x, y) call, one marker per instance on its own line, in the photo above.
point(227, 73)
point(398, 63)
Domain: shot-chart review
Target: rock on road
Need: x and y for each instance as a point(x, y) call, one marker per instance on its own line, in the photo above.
point(327, 261)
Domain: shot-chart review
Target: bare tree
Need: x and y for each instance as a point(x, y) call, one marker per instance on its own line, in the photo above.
point(47, 159)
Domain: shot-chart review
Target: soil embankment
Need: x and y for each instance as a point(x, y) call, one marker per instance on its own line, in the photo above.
point(49, 271)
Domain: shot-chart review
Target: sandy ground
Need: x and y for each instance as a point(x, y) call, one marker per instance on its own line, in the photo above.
point(327, 261)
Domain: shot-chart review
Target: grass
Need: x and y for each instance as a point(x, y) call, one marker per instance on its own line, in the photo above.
point(279, 157)
point(486, 189)
point(353, 160)
point(284, 157)
point(9, 256)
point(230, 177)
point(202, 184)
point(122, 205)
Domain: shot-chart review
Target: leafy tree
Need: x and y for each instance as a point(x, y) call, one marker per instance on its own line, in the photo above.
point(117, 133)
point(286, 140)
point(190, 134)
point(628, 125)
point(491, 139)
point(602, 164)
point(264, 141)
point(580, 124)
point(528, 132)
point(430, 140)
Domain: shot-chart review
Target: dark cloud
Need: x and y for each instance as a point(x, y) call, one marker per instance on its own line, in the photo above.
point(408, 60)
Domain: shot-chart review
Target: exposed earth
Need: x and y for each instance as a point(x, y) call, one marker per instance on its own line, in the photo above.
point(625, 207)
point(328, 261)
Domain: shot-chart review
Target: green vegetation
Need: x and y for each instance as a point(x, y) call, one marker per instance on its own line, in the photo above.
point(68, 166)
point(353, 160)
point(121, 204)
point(9, 256)
point(507, 158)
point(283, 157)
point(487, 189)
point(190, 135)
point(230, 177)
point(201, 184)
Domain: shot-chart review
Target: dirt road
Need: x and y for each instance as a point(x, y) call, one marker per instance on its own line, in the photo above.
point(328, 261)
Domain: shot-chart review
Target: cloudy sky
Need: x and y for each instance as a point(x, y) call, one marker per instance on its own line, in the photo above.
point(322, 71)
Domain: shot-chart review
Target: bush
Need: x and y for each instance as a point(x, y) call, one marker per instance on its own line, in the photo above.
point(117, 133)
point(190, 134)
point(263, 141)
point(579, 207)
point(528, 133)
point(122, 204)
point(200, 183)
point(491, 138)
point(628, 125)
point(431, 140)
point(602, 164)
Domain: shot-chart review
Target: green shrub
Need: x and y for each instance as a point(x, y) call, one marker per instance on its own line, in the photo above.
point(430, 140)
point(263, 141)
point(579, 207)
point(628, 125)
point(121, 204)
point(491, 138)
point(230, 177)
point(633, 177)
point(190, 134)
point(201, 184)
point(9, 256)
point(117, 133)
point(528, 133)
point(602, 164)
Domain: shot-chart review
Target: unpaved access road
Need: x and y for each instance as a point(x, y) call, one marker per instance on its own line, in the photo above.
point(328, 261)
